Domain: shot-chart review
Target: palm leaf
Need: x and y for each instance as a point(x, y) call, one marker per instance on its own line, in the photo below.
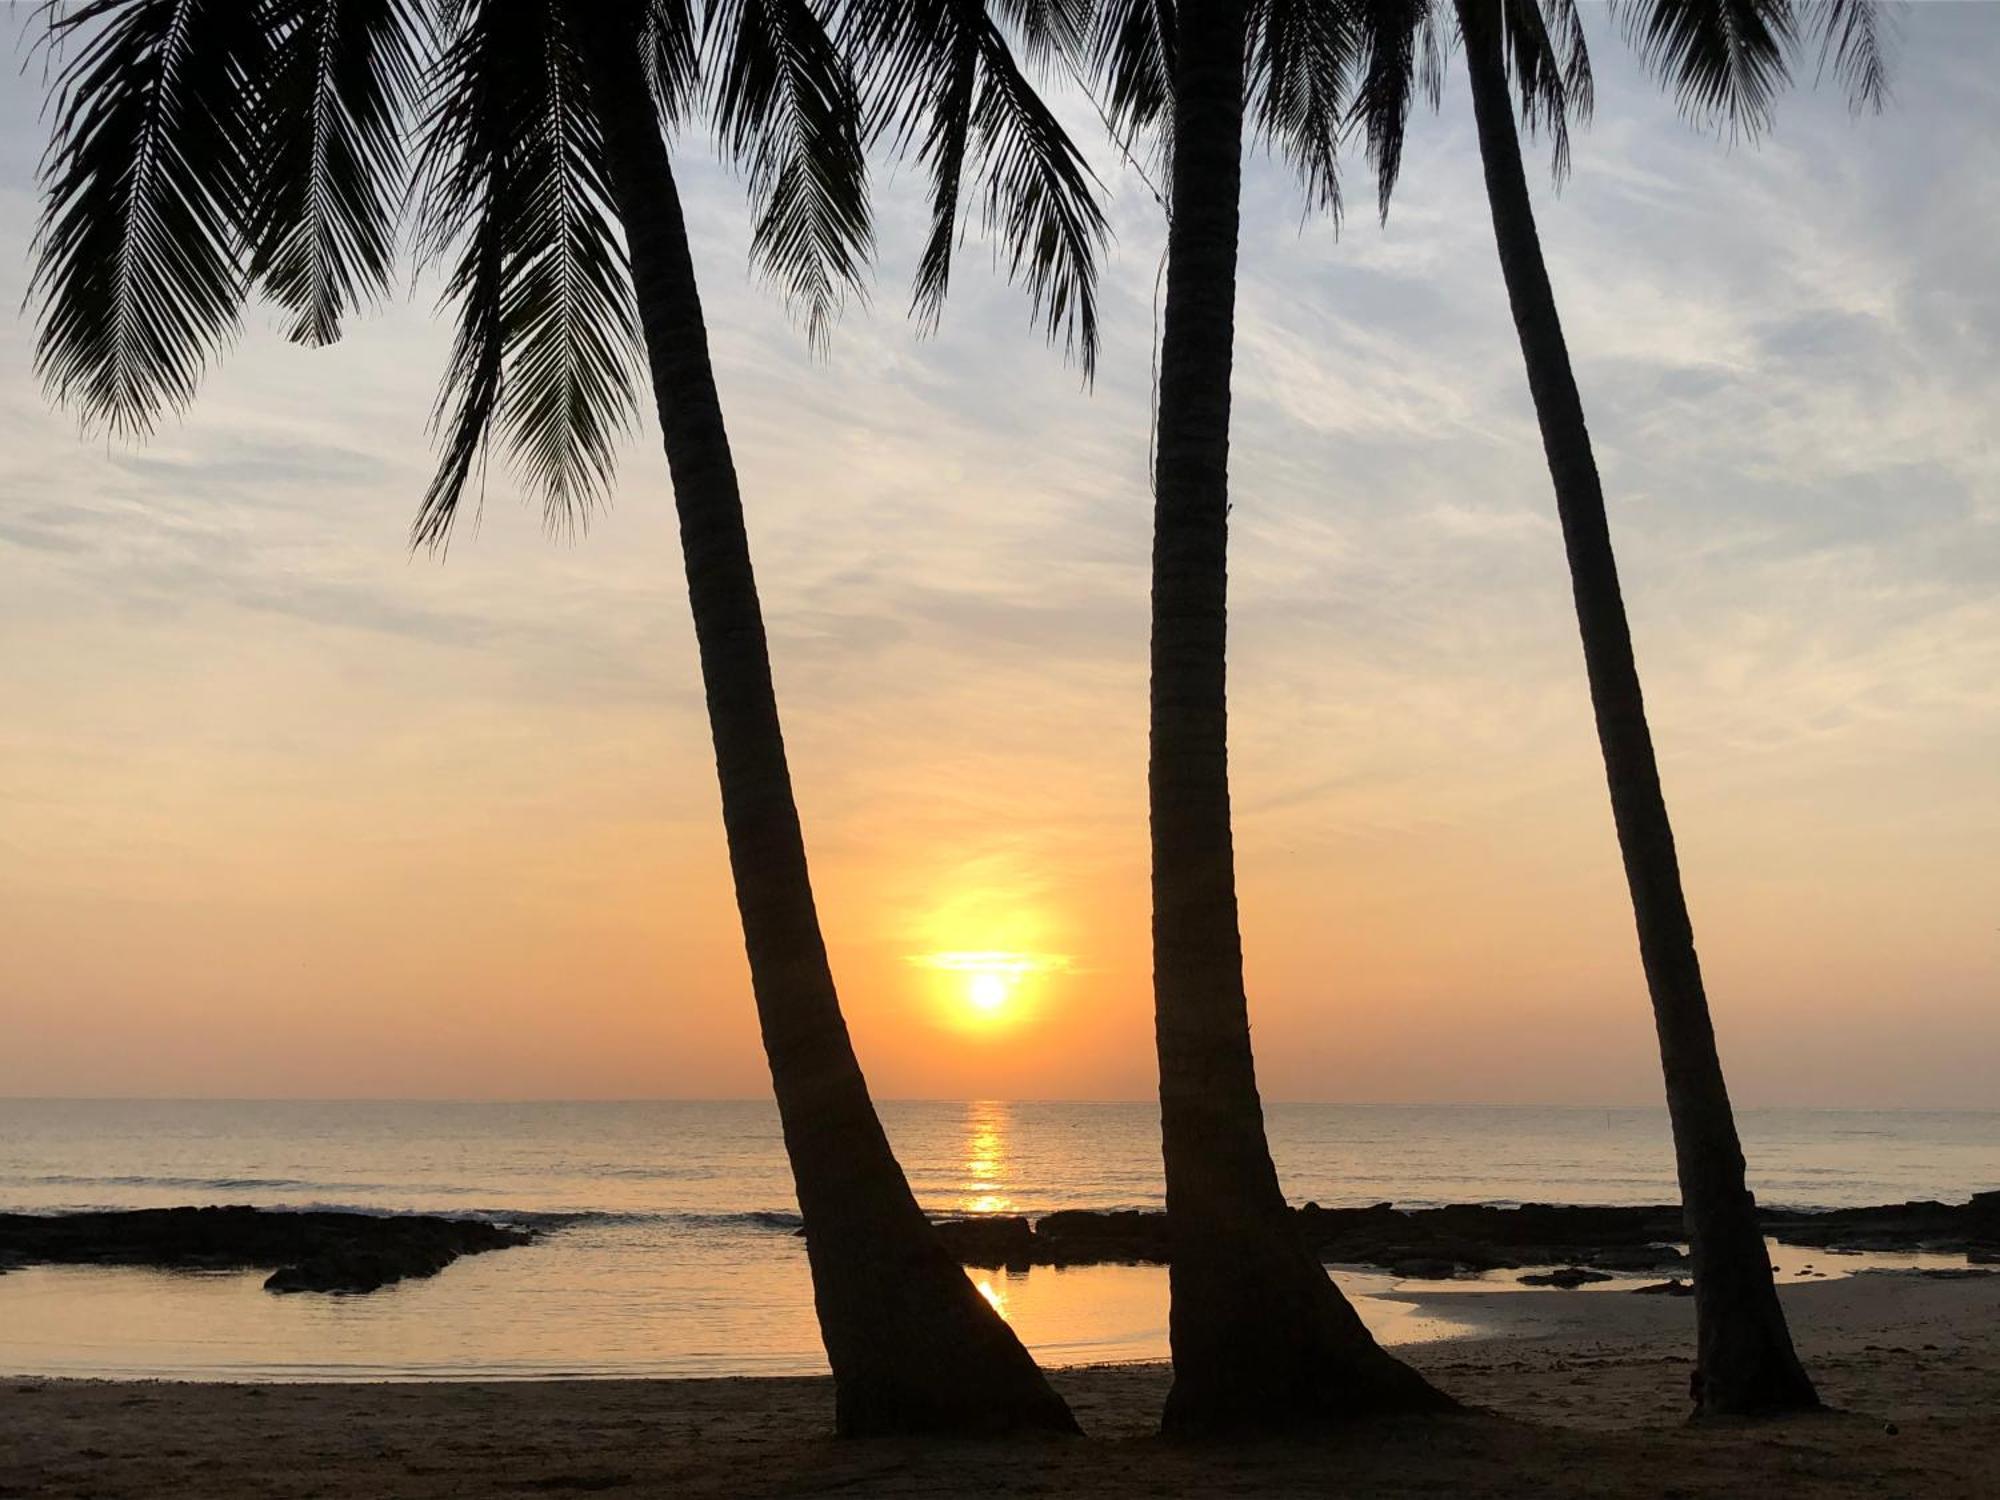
point(944, 150)
point(1304, 57)
point(1400, 57)
point(1542, 41)
point(786, 109)
point(140, 252)
point(669, 46)
point(1853, 40)
point(513, 185)
point(1050, 30)
point(1132, 58)
point(332, 111)
point(942, 74)
point(1725, 59)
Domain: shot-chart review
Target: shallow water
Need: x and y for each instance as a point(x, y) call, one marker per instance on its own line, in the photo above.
point(669, 1245)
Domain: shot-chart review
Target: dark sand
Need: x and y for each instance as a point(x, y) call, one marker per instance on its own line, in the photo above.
point(1592, 1407)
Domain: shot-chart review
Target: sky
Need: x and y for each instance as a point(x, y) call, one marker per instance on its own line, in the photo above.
point(286, 810)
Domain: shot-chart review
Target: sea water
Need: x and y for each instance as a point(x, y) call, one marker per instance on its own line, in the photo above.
point(668, 1242)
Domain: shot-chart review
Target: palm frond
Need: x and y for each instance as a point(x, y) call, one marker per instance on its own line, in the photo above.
point(1725, 59)
point(1040, 197)
point(1304, 63)
point(670, 45)
point(944, 150)
point(1131, 54)
point(513, 185)
point(1853, 40)
point(1400, 57)
point(1049, 29)
point(329, 172)
point(941, 73)
point(1570, 52)
point(139, 254)
point(1543, 43)
point(786, 109)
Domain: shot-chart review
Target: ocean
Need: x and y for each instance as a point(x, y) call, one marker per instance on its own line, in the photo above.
point(669, 1244)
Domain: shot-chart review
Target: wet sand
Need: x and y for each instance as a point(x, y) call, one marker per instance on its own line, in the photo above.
point(1578, 1393)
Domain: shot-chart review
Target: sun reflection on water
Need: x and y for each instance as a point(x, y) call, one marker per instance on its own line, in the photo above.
point(984, 1190)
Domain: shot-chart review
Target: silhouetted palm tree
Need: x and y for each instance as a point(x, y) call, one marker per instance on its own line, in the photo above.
point(1262, 1338)
point(1725, 58)
point(204, 150)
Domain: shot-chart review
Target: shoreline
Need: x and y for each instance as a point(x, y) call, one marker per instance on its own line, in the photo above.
point(1592, 1403)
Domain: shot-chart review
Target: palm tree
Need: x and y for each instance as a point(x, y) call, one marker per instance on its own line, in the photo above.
point(203, 150)
point(1726, 58)
point(1262, 1338)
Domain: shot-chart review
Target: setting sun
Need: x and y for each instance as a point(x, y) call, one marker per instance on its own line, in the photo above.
point(987, 993)
point(984, 988)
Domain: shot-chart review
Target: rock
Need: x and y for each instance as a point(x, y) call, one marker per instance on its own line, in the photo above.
point(1673, 1288)
point(1001, 1242)
point(306, 1251)
point(1565, 1277)
point(1078, 1237)
point(356, 1271)
point(1484, 1237)
point(1635, 1258)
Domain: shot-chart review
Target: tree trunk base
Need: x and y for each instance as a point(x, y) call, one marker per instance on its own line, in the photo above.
point(933, 1359)
point(1773, 1386)
point(1266, 1345)
point(1745, 1364)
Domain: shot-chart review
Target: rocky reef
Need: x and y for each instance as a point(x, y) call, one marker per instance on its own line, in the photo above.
point(1434, 1243)
point(313, 1251)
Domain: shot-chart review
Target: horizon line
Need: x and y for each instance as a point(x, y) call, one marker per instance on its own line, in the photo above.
point(765, 1099)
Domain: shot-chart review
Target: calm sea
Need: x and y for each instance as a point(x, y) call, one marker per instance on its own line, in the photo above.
point(670, 1245)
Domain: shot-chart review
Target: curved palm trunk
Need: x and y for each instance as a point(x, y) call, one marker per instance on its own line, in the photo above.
point(1745, 1362)
point(913, 1346)
point(1262, 1338)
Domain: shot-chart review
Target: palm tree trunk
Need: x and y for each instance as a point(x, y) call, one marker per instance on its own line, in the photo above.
point(1745, 1362)
point(1262, 1339)
point(913, 1346)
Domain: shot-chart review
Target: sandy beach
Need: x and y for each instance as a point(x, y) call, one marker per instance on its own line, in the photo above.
point(1572, 1394)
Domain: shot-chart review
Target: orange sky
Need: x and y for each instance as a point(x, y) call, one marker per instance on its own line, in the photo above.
point(284, 811)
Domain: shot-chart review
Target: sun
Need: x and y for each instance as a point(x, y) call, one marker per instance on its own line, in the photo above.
point(988, 993)
point(990, 990)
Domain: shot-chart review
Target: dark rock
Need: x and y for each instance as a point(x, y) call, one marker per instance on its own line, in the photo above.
point(1635, 1258)
point(1565, 1277)
point(1483, 1237)
point(996, 1242)
point(1076, 1237)
point(308, 1251)
point(355, 1270)
point(1673, 1288)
